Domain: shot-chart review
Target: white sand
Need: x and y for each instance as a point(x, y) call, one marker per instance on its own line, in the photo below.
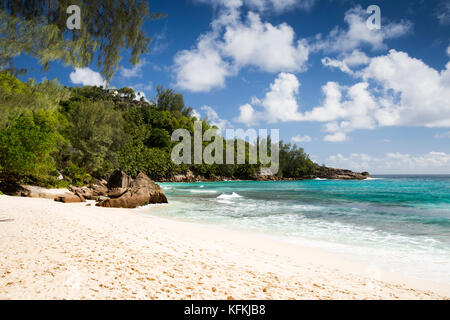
point(51, 250)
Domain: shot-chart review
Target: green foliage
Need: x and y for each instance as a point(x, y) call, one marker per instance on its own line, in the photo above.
point(158, 163)
point(96, 133)
point(11, 86)
point(26, 145)
point(78, 176)
point(30, 126)
point(108, 27)
point(132, 158)
point(54, 183)
point(168, 100)
point(86, 133)
point(159, 138)
point(16, 96)
point(90, 92)
point(294, 162)
point(127, 93)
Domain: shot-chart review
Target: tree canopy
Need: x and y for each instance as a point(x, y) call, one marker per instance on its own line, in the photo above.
point(108, 27)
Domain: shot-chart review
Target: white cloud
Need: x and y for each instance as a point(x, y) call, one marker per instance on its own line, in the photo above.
point(159, 42)
point(142, 90)
point(336, 137)
point(299, 139)
point(202, 68)
point(214, 119)
point(355, 59)
point(133, 72)
point(147, 87)
point(397, 90)
point(140, 95)
point(234, 43)
point(277, 6)
point(247, 115)
point(448, 51)
point(413, 94)
point(357, 161)
point(442, 135)
point(443, 12)
point(196, 114)
point(358, 34)
point(265, 46)
point(394, 90)
point(87, 77)
point(393, 163)
point(279, 104)
point(344, 115)
point(223, 3)
point(335, 63)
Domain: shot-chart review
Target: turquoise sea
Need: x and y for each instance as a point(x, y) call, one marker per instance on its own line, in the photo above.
point(399, 223)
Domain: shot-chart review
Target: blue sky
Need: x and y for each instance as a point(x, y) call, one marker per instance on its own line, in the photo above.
point(376, 100)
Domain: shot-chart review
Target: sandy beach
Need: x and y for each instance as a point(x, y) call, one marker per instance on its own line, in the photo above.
point(51, 250)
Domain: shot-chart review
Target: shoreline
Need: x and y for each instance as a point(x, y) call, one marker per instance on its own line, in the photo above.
point(51, 250)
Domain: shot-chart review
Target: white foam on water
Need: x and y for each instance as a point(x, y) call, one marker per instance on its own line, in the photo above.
point(302, 223)
point(225, 201)
point(202, 191)
point(234, 195)
point(306, 207)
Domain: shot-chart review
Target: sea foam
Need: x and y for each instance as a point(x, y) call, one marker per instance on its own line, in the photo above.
point(234, 195)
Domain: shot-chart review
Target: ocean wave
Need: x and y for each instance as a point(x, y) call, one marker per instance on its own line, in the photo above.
point(225, 201)
point(358, 221)
point(202, 191)
point(234, 195)
point(320, 179)
point(306, 207)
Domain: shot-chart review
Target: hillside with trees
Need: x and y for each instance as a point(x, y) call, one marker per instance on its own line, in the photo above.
point(48, 131)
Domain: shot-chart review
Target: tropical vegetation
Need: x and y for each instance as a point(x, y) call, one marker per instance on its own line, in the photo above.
point(48, 131)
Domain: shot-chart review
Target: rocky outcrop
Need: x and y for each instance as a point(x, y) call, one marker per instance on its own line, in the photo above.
point(128, 193)
point(191, 177)
point(265, 174)
point(120, 191)
point(62, 195)
point(94, 192)
point(341, 174)
point(70, 198)
point(119, 179)
point(17, 190)
point(322, 172)
point(75, 194)
point(100, 188)
point(188, 177)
